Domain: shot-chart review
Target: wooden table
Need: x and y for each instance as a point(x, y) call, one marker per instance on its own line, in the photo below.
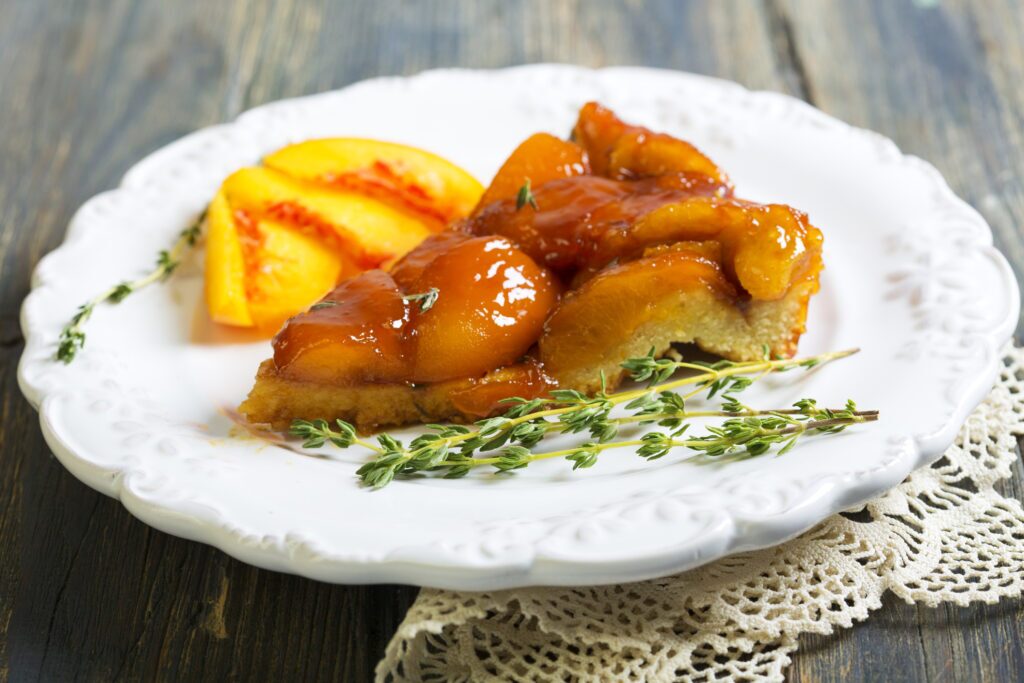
point(89, 87)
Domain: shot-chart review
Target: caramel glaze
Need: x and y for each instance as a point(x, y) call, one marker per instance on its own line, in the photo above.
point(574, 214)
point(618, 150)
point(491, 306)
point(615, 194)
point(585, 223)
point(354, 334)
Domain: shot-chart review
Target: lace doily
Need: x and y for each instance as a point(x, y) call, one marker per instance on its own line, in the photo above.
point(943, 535)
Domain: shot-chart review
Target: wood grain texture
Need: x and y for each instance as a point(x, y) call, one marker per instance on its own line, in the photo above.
point(89, 87)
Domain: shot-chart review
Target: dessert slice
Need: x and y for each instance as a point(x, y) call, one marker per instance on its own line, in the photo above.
point(579, 255)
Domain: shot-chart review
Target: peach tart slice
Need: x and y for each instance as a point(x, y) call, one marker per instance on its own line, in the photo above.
point(579, 255)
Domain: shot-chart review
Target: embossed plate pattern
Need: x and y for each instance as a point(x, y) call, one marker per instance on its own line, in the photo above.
point(142, 415)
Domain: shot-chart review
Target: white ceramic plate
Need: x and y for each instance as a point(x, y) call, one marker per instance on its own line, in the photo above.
point(911, 277)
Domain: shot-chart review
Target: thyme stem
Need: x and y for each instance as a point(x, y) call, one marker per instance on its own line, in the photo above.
point(72, 337)
point(707, 376)
point(866, 416)
point(454, 449)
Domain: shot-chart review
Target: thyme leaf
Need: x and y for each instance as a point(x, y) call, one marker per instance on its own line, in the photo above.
point(525, 196)
point(426, 299)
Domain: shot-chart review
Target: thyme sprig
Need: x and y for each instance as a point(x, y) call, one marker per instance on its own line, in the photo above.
point(72, 337)
point(456, 449)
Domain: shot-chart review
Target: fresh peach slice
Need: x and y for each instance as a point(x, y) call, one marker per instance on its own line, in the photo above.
point(226, 297)
point(434, 189)
point(276, 245)
point(371, 231)
point(294, 270)
point(259, 270)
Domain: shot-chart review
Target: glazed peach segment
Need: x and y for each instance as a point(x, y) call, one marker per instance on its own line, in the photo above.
point(579, 221)
point(407, 270)
point(354, 335)
point(491, 306)
point(492, 303)
point(764, 246)
point(619, 150)
point(539, 159)
point(488, 394)
point(411, 179)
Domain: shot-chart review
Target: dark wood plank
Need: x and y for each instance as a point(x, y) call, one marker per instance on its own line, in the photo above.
point(88, 592)
point(937, 78)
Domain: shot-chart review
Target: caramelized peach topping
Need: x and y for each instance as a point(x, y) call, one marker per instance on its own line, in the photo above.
point(619, 150)
point(492, 300)
point(355, 334)
point(490, 307)
point(541, 158)
point(661, 191)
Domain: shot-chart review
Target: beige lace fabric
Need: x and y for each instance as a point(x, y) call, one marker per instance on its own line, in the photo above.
point(943, 535)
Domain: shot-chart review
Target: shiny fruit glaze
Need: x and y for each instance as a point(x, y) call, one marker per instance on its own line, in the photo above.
point(526, 380)
point(619, 150)
point(764, 247)
point(492, 303)
point(573, 215)
point(647, 189)
point(355, 334)
point(540, 158)
point(490, 309)
point(410, 267)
